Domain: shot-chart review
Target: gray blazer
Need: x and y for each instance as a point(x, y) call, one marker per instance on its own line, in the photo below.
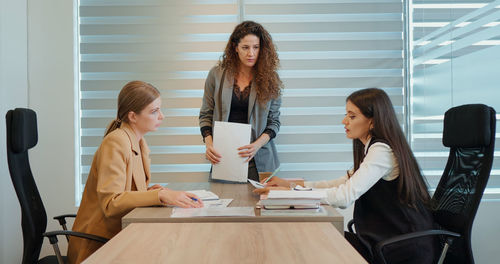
point(259, 116)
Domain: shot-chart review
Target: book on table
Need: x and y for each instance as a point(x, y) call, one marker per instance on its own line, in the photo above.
point(264, 201)
point(281, 194)
point(297, 206)
point(292, 198)
point(320, 211)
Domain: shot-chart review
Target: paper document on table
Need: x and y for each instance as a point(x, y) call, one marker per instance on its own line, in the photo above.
point(256, 184)
point(217, 211)
point(227, 138)
point(217, 203)
point(204, 195)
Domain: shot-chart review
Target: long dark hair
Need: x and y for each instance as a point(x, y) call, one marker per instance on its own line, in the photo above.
point(375, 104)
point(268, 82)
point(134, 96)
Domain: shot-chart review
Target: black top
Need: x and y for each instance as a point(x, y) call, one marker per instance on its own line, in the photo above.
point(378, 215)
point(239, 105)
point(239, 110)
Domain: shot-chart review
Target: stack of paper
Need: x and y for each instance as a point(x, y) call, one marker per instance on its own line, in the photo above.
point(228, 137)
point(277, 199)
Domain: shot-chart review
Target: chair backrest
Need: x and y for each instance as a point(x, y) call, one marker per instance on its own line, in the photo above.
point(469, 132)
point(22, 135)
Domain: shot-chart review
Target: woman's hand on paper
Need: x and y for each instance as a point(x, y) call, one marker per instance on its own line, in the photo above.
point(249, 151)
point(266, 190)
point(180, 198)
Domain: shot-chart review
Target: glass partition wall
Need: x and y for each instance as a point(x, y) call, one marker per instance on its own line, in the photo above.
point(455, 48)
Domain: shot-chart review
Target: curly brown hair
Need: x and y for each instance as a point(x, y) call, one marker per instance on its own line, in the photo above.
point(265, 69)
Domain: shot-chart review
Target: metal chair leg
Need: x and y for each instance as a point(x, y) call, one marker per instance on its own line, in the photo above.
point(58, 254)
point(65, 229)
point(445, 249)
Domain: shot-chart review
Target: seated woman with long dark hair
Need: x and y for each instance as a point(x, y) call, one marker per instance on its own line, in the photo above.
point(386, 184)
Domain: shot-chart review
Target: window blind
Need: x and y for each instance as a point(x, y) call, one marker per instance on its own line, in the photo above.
point(454, 62)
point(328, 49)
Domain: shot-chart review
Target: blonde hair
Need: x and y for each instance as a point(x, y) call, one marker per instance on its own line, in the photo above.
point(134, 96)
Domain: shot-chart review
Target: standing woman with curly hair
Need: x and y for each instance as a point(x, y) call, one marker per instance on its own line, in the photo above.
point(245, 88)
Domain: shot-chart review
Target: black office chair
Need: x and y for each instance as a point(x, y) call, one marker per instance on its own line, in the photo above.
point(21, 136)
point(469, 132)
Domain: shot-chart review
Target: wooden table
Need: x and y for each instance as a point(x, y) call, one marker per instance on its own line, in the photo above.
point(227, 243)
point(241, 194)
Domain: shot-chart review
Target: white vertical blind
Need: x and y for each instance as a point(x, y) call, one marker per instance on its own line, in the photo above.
point(455, 61)
point(328, 49)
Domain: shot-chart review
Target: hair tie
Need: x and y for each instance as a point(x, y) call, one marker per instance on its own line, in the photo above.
point(119, 121)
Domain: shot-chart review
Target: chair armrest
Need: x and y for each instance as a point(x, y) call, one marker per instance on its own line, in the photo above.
point(433, 232)
point(53, 236)
point(53, 240)
point(62, 219)
point(349, 225)
point(64, 216)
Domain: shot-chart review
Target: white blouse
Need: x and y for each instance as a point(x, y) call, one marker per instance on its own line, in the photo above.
point(378, 163)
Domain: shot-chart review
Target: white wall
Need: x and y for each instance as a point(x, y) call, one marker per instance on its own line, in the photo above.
point(13, 93)
point(51, 73)
point(37, 71)
point(486, 230)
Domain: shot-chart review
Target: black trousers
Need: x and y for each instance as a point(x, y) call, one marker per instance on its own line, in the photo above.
point(253, 174)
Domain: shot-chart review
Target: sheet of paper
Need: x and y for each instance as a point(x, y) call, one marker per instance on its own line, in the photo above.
point(217, 211)
point(228, 137)
point(204, 195)
point(217, 203)
point(256, 184)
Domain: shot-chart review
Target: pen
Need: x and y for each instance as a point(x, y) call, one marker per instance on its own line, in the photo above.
point(194, 199)
point(275, 171)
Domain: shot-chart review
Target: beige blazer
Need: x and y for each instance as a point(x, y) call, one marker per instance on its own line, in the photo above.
point(117, 183)
point(259, 116)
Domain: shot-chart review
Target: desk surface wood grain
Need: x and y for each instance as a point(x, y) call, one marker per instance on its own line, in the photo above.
point(277, 242)
point(241, 194)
